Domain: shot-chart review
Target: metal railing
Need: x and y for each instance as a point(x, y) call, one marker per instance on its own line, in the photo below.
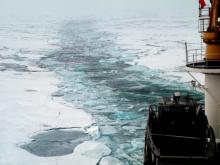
point(196, 58)
point(204, 16)
point(195, 55)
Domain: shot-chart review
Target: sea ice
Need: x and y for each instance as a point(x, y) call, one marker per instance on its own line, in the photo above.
point(93, 131)
point(55, 142)
point(108, 160)
point(92, 149)
point(27, 106)
point(108, 130)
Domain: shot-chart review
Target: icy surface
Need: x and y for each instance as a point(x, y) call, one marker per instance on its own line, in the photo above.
point(108, 130)
point(90, 81)
point(92, 149)
point(27, 106)
point(108, 160)
point(55, 142)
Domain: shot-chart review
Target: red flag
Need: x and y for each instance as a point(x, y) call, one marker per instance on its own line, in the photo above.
point(202, 3)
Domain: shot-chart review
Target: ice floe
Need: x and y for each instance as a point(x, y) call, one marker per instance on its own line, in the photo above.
point(108, 160)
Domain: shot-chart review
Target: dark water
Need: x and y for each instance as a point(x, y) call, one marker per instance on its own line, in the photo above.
point(97, 75)
point(55, 142)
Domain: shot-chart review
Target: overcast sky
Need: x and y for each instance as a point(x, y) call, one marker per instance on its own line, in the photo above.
point(98, 8)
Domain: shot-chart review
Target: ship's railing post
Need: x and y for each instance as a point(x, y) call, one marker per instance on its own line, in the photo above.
point(186, 49)
point(196, 58)
point(193, 60)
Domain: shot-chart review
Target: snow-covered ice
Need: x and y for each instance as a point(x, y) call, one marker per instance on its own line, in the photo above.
point(29, 108)
point(26, 108)
point(108, 160)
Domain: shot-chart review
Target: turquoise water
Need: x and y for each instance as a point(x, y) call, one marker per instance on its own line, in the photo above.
point(95, 63)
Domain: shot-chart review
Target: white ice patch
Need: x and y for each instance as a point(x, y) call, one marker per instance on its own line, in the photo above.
point(24, 113)
point(93, 131)
point(108, 160)
point(87, 153)
point(92, 149)
point(108, 130)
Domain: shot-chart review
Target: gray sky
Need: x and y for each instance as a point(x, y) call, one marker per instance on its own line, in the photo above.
point(98, 8)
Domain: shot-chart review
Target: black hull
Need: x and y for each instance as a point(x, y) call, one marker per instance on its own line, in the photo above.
point(178, 133)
